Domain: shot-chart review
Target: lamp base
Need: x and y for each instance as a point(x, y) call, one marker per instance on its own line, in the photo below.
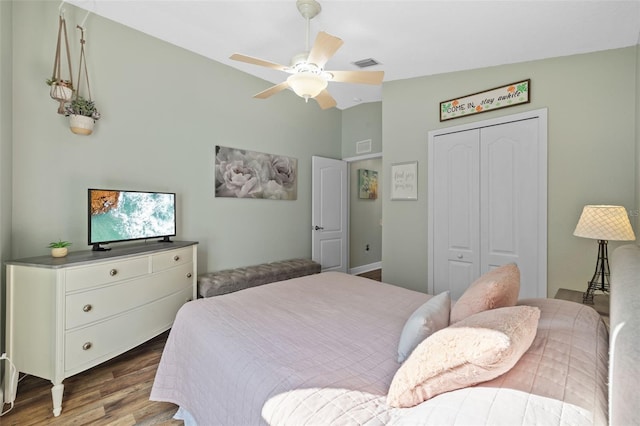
point(600, 279)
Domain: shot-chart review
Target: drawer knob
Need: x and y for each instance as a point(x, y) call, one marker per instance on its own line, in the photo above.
point(113, 272)
point(87, 346)
point(188, 274)
point(176, 257)
point(87, 307)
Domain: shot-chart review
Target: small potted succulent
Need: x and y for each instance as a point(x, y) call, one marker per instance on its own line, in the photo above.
point(59, 248)
point(82, 115)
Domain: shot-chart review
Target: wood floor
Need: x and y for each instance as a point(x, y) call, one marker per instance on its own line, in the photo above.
point(376, 274)
point(113, 393)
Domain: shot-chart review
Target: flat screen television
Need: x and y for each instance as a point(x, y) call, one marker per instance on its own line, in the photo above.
point(117, 216)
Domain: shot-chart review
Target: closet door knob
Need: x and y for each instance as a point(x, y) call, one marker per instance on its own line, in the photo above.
point(113, 272)
point(188, 274)
point(176, 258)
point(87, 346)
point(459, 256)
point(87, 307)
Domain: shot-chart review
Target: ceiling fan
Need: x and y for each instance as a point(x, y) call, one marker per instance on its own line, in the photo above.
point(308, 77)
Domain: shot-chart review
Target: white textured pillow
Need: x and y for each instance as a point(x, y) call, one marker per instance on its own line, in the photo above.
point(432, 316)
point(477, 349)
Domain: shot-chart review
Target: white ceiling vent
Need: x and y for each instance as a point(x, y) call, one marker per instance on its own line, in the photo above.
point(363, 147)
point(364, 63)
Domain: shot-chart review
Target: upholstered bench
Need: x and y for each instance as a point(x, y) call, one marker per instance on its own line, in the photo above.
point(230, 280)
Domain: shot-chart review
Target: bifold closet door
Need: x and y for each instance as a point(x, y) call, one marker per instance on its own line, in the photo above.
point(456, 207)
point(509, 200)
point(486, 205)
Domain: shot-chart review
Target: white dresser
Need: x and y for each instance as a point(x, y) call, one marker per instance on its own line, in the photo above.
point(66, 315)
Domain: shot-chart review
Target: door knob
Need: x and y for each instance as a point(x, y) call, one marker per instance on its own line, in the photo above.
point(317, 228)
point(459, 256)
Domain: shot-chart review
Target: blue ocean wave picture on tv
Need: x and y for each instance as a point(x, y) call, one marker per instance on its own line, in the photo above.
point(126, 215)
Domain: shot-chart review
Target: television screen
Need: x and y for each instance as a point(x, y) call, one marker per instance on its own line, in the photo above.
point(116, 215)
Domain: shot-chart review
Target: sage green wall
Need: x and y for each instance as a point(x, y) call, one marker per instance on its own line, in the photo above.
point(591, 101)
point(164, 109)
point(360, 123)
point(364, 218)
point(6, 61)
point(637, 180)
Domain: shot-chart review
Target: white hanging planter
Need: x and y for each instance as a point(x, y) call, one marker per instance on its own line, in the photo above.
point(60, 92)
point(81, 124)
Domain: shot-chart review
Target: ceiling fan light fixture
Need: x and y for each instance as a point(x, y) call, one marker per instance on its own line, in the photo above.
point(307, 85)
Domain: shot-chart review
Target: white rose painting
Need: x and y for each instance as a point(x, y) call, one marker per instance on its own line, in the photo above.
point(249, 174)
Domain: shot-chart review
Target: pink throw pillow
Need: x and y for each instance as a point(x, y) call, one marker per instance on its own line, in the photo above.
point(497, 288)
point(474, 350)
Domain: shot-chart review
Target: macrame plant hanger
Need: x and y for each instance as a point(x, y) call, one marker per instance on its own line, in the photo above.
point(61, 89)
point(82, 112)
point(82, 66)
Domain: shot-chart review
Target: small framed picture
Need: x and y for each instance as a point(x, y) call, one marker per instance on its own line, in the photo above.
point(367, 184)
point(404, 181)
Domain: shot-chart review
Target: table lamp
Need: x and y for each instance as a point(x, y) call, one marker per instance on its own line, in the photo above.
point(603, 223)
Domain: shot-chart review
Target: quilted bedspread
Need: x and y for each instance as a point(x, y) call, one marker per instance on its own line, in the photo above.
point(322, 350)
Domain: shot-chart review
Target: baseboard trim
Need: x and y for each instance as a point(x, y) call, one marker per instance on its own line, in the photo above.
point(365, 268)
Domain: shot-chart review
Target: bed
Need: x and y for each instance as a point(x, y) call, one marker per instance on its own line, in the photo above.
point(324, 349)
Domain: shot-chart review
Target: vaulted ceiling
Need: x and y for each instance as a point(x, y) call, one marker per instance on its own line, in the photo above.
point(407, 38)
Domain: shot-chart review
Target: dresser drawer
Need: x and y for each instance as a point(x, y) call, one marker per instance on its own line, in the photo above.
point(89, 346)
point(99, 303)
point(170, 259)
point(102, 273)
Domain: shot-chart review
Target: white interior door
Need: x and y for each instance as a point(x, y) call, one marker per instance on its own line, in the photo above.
point(487, 203)
point(329, 232)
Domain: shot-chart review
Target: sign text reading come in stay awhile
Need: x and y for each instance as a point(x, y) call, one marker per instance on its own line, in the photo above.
point(488, 100)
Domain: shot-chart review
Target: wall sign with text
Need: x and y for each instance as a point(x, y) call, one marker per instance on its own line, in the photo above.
point(489, 100)
point(404, 181)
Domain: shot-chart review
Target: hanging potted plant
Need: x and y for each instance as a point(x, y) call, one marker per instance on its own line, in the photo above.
point(61, 90)
point(82, 115)
point(82, 111)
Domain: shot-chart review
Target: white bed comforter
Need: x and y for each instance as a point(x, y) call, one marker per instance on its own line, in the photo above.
point(322, 350)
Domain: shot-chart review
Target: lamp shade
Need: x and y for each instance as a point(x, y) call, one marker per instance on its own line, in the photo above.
point(604, 223)
point(306, 84)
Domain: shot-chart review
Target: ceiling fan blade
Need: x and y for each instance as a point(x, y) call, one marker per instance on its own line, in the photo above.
point(323, 48)
point(325, 100)
point(272, 90)
point(256, 61)
point(361, 77)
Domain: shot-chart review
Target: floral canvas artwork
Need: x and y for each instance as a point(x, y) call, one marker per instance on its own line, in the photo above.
point(248, 174)
point(367, 184)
